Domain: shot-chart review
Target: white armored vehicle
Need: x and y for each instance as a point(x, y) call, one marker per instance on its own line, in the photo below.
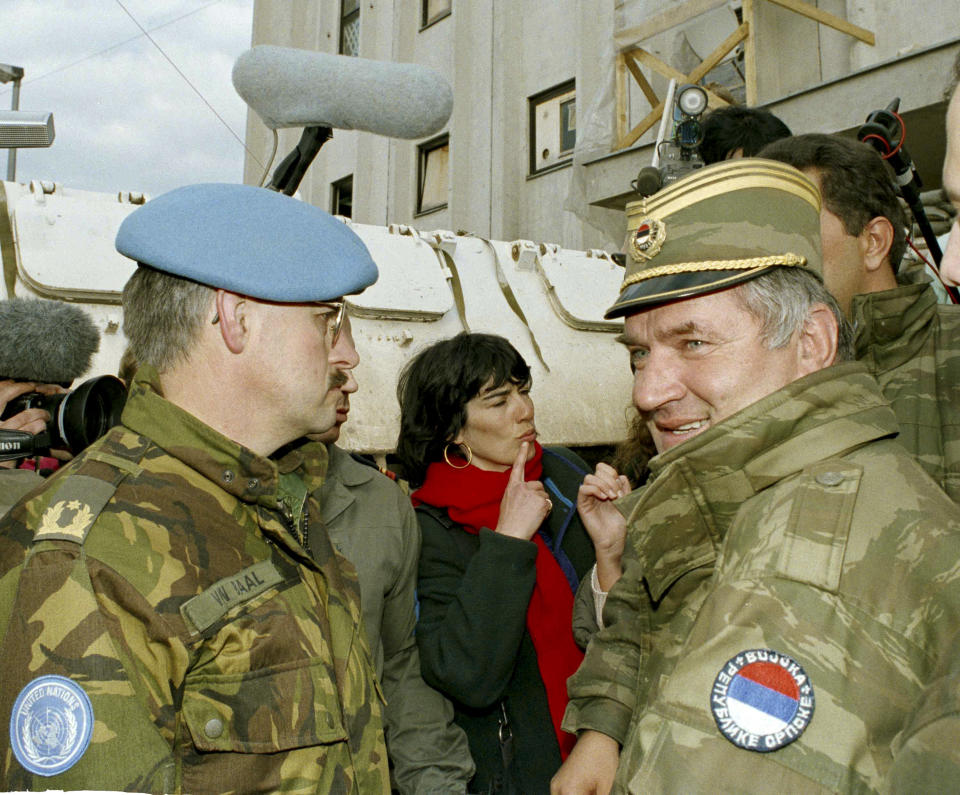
point(57, 243)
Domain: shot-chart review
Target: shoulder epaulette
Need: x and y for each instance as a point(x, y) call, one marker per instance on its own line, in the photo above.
point(80, 496)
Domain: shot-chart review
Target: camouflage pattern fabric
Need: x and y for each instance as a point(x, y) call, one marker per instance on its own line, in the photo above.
point(799, 526)
point(911, 345)
point(927, 752)
point(372, 523)
point(158, 572)
point(14, 484)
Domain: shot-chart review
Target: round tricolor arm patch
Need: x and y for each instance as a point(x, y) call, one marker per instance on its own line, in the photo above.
point(50, 725)
point(762, 700)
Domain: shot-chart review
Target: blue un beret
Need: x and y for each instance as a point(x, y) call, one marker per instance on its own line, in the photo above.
point(248, 240)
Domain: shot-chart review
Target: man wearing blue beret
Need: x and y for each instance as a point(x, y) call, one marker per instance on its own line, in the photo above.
point(170, 621)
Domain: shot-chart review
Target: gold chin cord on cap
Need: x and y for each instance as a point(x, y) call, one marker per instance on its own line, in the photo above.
point(446, 456)
point(787, 260)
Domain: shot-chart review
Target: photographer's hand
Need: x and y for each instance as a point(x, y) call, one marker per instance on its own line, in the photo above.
point(30, 420)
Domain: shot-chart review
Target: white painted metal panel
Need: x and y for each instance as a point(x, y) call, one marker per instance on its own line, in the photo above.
point(65, 245)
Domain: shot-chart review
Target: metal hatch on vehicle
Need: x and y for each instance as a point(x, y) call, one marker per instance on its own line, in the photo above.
point(581, 285)
point(64, 243)
point(411, 285)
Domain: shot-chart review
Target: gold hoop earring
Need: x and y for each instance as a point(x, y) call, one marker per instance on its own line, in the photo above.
point(446, 456)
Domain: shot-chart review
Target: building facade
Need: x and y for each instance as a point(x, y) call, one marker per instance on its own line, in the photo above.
point(538, 146)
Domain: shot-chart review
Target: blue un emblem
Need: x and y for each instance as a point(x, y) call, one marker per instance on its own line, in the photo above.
point(50, 725)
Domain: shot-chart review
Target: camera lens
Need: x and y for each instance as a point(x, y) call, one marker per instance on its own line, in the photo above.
point(87, 412)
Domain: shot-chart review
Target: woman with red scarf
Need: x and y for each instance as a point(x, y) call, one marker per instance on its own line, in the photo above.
point(504, 552)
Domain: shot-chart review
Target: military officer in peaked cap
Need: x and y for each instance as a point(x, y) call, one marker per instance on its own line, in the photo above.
point(165, 625)
point(790, 578)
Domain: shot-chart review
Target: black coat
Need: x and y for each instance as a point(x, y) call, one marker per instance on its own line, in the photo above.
point(474, 645)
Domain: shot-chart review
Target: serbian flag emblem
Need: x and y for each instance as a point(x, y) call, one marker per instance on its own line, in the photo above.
point(762, 700)
point(647, 240)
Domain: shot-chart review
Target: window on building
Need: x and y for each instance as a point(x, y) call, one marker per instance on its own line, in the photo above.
point(553, 127)
point(349, 27)
point(432, 171)
point(341, 198)
point(432, 10)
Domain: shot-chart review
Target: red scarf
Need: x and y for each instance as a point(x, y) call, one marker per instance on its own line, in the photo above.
point(472, 498)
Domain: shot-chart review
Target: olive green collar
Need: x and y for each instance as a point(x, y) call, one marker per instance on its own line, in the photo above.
point(892, 326)
point(235, 468)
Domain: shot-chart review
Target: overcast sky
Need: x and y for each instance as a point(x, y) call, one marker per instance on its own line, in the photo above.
point(124, 118)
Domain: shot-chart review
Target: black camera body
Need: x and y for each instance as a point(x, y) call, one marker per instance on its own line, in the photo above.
point(679, 154)
point(77, 418)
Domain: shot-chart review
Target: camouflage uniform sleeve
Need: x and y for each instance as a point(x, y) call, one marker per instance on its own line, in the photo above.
point(584, 611)
point(927, 752)
point(603, 690)
point(67, 618)
point(429, 752)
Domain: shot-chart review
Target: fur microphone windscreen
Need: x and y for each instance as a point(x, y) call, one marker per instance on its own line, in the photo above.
point(299, 88)
point(45, 341)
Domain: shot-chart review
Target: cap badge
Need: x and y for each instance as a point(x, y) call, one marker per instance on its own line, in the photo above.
point(762, 700)
point(50, 725)
point(647, 239)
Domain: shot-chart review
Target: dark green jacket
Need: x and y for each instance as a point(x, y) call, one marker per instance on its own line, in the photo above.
point(158, 573)
point(911, 345)
point(474, 645)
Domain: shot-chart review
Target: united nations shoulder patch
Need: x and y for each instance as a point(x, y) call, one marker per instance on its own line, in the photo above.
point(762, 700)
point(50, 725)
point(647, 239)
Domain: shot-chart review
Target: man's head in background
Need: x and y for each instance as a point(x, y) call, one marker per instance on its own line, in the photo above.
point(862, 223)
point(736, 131)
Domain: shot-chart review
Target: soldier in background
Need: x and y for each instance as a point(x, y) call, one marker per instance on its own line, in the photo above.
point(928, 749)
point(908, 341)
point(790, 574)
point(371, 522)
point(169, 622)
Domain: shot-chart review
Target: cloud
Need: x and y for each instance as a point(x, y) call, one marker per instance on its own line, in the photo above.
point(125, 119)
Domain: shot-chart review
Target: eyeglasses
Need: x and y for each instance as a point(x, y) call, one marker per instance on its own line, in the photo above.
point(335, 325)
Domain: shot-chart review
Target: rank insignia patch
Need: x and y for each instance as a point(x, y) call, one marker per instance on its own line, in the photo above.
point(762, 700)
point(647, 239)
point(50, 725)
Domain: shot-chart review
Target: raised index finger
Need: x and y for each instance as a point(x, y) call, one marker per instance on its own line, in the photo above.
point(518, 474)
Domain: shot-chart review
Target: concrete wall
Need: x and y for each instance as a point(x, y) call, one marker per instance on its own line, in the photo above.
point(498, 53)
point(495, 55)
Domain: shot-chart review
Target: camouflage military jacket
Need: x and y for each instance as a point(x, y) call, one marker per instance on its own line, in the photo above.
point(911, 345)
point(372, 523)
point(156, 604)
point(790, 584)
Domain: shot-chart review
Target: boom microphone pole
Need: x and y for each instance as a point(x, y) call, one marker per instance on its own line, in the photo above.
point(885, 131)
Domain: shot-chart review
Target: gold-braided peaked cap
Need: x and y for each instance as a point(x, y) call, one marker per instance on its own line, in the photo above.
point(719, 226)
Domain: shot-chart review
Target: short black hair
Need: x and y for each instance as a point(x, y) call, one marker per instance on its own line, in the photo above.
point(728, 129)
point(435, 387)
point(857, 185)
